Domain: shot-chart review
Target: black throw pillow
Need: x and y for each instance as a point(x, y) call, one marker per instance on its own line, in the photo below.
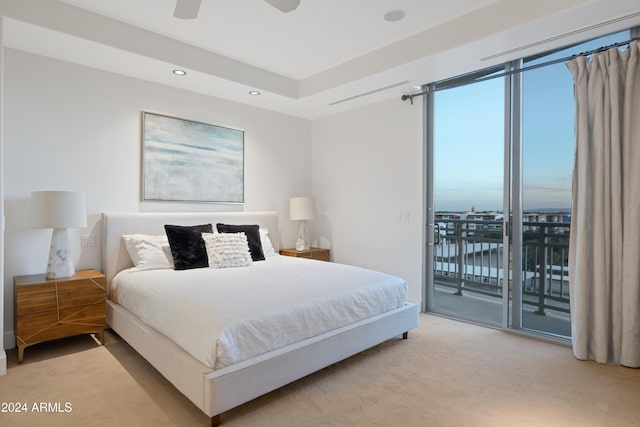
point(253, 236)
point(187, 246)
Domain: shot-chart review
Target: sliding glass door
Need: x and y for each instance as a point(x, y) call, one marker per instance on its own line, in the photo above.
point(468, 176)
point(499, 161)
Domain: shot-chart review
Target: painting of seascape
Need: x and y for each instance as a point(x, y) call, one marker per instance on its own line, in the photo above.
point(188, 161)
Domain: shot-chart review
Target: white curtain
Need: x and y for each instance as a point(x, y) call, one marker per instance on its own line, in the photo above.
point(604, 248)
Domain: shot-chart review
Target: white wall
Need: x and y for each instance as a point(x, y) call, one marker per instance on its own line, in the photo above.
point(69, 127)
point(367, 178)
point(3, 354)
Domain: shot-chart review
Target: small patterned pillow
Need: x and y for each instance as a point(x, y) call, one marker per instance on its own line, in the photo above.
point(227, 250)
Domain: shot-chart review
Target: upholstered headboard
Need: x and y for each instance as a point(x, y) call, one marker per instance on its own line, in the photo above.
point(114, 253)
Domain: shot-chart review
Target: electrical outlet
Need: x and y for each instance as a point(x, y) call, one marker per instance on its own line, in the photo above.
point(88, 241)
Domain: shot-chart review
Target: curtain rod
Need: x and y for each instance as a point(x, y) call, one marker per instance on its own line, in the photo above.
point(520, 70)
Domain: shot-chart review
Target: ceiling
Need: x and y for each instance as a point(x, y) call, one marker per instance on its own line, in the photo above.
point(320, 59)
point(318, 35)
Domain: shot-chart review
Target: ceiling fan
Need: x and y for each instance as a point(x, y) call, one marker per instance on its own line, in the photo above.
point(284, 5)
point(188, 9)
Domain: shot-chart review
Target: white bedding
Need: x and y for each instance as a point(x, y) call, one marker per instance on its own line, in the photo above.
point(224, 316)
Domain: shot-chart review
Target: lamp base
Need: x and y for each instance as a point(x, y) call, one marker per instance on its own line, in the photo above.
point(301, 243)
point(60, 265)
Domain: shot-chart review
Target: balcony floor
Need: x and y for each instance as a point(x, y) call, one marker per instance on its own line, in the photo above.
point(485, 309)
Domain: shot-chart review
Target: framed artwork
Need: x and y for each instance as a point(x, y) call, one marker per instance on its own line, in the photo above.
point(188, 161)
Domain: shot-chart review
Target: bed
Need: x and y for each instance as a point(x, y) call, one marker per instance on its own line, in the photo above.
point(225, 380)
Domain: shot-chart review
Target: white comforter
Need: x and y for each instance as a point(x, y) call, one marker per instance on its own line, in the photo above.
point(225, 316)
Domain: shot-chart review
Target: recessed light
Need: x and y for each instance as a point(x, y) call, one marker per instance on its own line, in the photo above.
point(254, 92)
point(179, 72)
point(394, 15)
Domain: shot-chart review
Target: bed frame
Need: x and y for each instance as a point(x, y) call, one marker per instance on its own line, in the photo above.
point(215, 392)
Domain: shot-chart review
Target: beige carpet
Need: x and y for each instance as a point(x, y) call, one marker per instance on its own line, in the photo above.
point(447, 374)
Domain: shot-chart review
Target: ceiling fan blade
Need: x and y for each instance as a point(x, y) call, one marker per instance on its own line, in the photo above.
point(187, 9)
point(284, 5)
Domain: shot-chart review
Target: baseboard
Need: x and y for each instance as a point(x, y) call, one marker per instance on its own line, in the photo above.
point(9, 340)
point(3, 363)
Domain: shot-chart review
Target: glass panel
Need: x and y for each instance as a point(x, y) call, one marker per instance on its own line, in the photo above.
point(547, 144)
point(468, 194)
point(548, 147)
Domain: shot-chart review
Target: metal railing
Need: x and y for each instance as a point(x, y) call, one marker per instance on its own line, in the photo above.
point(468, 257)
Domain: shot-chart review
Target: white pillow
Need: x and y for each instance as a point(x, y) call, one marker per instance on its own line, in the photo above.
point(226, 250)
point(146, 251)
point(167, 252)
point(267, 247)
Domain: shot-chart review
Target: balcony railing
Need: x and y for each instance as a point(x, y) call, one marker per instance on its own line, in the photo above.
point(468, 258)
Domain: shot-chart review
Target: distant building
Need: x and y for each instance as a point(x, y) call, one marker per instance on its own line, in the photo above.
point(443, 221)
point(473, 220)
point(494, 220)
point(531, 219)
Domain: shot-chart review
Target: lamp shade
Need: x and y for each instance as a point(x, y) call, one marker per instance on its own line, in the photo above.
point(302, 208)
point(57, 209)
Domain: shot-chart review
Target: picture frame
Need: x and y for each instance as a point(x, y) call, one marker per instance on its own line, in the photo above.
point(188, 161)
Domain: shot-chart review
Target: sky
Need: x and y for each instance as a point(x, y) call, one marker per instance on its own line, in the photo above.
point(469, 139)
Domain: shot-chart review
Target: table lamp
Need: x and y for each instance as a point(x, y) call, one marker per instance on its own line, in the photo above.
point(302, 209)
point(59, 210)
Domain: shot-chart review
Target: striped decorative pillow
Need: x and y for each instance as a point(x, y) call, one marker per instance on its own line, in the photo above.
point(226, 250)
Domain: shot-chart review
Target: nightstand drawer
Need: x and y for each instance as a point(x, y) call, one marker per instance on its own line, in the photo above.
point(35, 298)
point(53, 332)
point(30, 325)
point(80, 292)
point(91, 314)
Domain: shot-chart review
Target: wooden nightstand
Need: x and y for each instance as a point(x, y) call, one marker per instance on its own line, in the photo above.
point(48, 309)
point(313, 253)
